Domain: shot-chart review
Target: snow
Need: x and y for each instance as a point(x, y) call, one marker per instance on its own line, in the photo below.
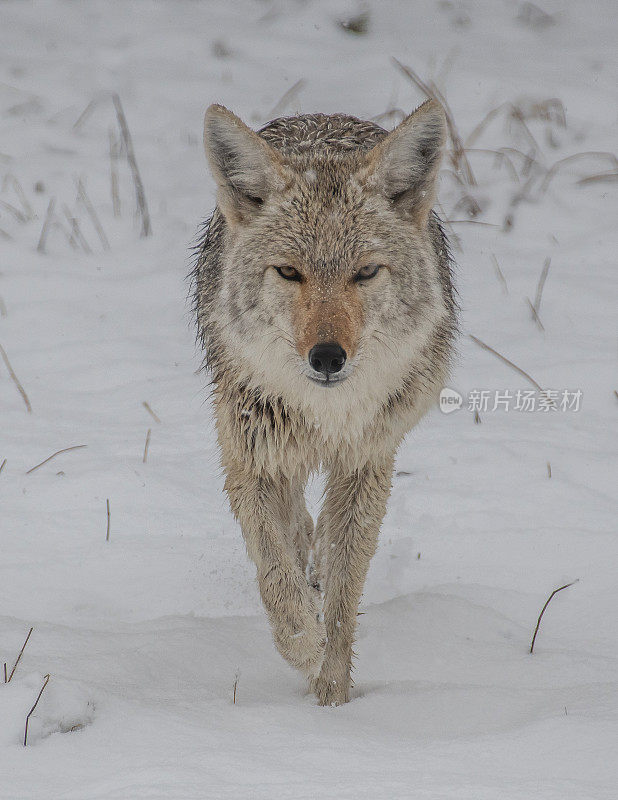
point(143, 636)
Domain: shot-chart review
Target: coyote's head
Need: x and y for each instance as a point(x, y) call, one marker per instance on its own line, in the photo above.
point(328, 271)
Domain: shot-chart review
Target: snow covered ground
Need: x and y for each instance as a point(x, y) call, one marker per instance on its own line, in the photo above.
point(145, 635)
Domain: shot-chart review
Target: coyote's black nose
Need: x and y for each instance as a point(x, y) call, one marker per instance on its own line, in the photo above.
point(327, 358)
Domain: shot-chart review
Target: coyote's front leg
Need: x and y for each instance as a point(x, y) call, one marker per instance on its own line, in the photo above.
point(263, 506)
point(347, 533)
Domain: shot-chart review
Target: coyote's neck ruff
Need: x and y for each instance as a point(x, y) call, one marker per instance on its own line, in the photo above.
point(325, 306)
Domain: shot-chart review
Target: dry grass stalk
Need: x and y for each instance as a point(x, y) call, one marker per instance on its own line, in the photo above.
point(114, 155)
point(150, 411)
point(473, 222)
point(458, 156)
point(19, 191)
point(21, 652)
point(535, 314)
point(147, 445)
point(236, 677)
point(551, 172)
point(286, 98)
point(130, 153)
point(501, 158)
point(19, 215)
point(67, 233)
point(46, 225)
point(15, 379)
point(2, 466)
point(601, 177)
point(82, 195)
point(36, 702)
point(5, 678)
point(108, 520)
point(506, 361)
point(541, 284)
point(86, 113)
point(500, 274)
point(76, 231)
point(559, 589)
point(548, 470)
point(57, 453)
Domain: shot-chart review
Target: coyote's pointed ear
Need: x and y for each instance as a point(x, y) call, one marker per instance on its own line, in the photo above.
point(244, 166)
point(404, 165)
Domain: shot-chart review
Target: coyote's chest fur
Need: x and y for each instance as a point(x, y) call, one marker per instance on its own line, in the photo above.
point(325, 308)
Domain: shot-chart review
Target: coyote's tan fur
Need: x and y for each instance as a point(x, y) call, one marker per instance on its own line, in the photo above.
point(325, 307)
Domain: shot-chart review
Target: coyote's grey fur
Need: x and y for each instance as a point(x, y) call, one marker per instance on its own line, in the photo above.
point(325, 306)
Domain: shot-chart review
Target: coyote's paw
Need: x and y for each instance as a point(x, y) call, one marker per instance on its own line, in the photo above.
point(329, 690)
point(298, 626)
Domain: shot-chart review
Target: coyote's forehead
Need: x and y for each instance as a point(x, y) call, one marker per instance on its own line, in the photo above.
point(327, 220)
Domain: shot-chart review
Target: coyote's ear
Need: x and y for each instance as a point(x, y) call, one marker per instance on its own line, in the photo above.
point(404, 165)
point(244, 166)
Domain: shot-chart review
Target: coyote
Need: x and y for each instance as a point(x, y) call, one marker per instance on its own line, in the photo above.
point(325, 307)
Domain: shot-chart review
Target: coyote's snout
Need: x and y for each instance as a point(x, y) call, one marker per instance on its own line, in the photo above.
point(325, 307)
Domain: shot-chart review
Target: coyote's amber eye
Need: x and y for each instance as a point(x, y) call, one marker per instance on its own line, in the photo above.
point(367, 272)
point(289, 273)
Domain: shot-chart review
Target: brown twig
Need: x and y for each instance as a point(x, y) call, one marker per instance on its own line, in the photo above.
point(15, 379)
point(21, 652)
point(548, 470)
point(236, 677)
point(146, 446)
point(536, 630)
point(108, 520)
point(2, 465)
point(57, 453)
point(130, 153)
point(83, 196)
point(5, 678)
point(506, 361)
point(150, 411)
point(45, 229)
point(36, 702)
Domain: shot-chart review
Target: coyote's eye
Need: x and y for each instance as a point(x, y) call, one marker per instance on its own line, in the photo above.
point(289, 273)
point(367, 272)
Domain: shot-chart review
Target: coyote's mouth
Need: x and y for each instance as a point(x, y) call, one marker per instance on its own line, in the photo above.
point(327, 383)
